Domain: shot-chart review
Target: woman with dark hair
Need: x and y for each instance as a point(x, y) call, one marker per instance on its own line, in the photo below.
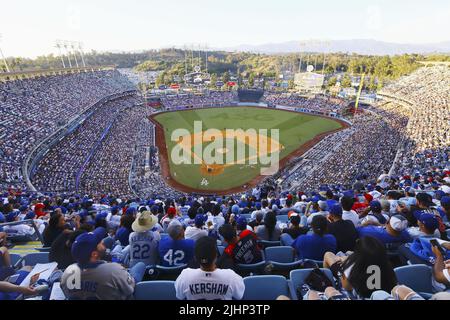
point(123, 233)
point(369, 258)
point(269, 231)
point(56, 226)
point(314, 246)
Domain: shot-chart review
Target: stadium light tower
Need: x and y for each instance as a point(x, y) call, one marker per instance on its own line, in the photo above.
point(59, 45)
point(3, 57)
point(80, 47)
point(74, 50)
point(65, 45)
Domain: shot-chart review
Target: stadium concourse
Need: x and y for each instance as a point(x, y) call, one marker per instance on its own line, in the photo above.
point(375, 194)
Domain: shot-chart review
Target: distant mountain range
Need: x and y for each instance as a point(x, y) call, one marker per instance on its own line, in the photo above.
point(360, 46)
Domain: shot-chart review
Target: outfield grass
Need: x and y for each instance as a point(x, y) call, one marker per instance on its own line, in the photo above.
point(295, 130)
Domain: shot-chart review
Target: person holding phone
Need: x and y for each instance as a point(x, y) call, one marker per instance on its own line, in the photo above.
point(441, 268)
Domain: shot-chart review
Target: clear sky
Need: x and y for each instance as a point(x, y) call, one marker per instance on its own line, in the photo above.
point(30, 28)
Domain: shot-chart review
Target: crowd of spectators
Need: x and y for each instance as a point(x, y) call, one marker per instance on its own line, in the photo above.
point(33, 109)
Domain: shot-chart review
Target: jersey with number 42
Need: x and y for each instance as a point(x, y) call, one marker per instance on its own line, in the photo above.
point(175, 252)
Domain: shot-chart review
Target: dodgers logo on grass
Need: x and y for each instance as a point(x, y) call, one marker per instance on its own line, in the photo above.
point(216, 149)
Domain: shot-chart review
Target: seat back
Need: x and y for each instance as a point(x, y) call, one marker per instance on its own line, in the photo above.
point(282, 219)
point(171, 270)
point(279, 254)
point(417, 277)
point(265, 287)
point(32, 259)
point(15, 258)
point(155, 290)
point(267, 244)
point(298, 276)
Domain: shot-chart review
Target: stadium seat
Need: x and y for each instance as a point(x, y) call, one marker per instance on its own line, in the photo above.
point(32, 259)
point(15, 258)
point(417, 277)
point(247, 216)
point(265, 287)
point(155, 290)
point(282, 219)
point(255, 268)
point(169, 273)
point(281, 258)
point(267, 244)
point(297, 279)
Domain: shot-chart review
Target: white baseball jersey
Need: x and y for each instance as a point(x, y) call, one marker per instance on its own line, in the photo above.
point(144, 248)
point(221, 284)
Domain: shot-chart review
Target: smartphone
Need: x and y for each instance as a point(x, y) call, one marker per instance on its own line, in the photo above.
point(434, 243)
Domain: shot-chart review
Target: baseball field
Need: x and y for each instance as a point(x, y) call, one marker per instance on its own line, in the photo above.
point(297, 133)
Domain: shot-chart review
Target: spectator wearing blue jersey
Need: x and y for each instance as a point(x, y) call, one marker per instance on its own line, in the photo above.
point(143, 241)
point(393, 232)
point(176, 250)
point(314, 246)
point(123, 233)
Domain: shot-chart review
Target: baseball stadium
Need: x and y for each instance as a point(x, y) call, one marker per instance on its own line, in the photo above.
point(192, 173)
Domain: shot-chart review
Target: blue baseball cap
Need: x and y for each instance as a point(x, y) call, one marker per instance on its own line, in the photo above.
point(336, 210)
point(235, 209)
point(241, 223)
point(429, 220)
point(375, 205)
point(30, 215)
point(131, 211)
point(200, 220)
point(23, 208)
point(115, 209)
point(100, 216)
point(258, 205)
point(11, 216)
point(87, 243)
point(445, 201)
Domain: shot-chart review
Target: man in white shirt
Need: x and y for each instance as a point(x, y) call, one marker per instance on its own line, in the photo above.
point(347, 212)
point(208, 282)
point(323, 212)
point(196, 232)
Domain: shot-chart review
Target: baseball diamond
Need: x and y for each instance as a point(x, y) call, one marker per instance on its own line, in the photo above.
point(297, 133)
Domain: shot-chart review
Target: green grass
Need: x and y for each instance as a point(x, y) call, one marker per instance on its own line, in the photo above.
point(295, 130)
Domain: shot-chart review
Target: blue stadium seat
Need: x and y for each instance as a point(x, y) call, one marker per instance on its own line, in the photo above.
point(267, 244)
point(32, 259)
point(281, 258)
point(15, 258)
point(255, 268)
point(265, 287)
point(282, 219)
point(297, 279)
point(279, 254)
point(155, 290)
point(171, 270)
point(417, 277)
point(247, 216)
